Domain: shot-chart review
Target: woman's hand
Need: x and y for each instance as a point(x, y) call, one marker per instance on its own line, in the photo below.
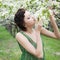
point(51, 10)
point(39, 25)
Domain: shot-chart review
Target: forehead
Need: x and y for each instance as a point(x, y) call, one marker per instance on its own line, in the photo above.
point(27, 13)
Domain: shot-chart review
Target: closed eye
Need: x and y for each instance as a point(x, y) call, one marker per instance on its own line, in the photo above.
point(28, 18)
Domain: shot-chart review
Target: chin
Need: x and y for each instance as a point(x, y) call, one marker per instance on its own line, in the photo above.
point(33, 24)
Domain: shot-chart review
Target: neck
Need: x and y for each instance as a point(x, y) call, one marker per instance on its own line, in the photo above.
point(29, 30)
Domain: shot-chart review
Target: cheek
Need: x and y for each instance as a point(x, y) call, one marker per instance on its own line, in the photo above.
point(31, 22)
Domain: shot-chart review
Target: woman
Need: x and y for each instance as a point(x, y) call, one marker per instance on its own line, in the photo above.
point(29, 38)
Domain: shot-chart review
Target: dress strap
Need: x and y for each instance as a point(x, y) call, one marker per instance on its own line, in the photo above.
point(27, 37)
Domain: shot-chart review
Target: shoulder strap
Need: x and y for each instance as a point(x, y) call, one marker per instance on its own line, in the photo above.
point(27, 37)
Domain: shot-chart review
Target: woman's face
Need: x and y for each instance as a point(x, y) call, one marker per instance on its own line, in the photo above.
point(29, 19)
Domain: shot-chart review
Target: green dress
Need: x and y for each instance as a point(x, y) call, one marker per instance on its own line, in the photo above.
point(25, 54)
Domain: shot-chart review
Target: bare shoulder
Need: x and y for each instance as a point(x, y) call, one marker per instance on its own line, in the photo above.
point(19, 36)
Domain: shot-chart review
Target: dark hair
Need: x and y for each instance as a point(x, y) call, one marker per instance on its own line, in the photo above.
point(19, 19)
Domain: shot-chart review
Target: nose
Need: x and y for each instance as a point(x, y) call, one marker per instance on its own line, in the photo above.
point(33, 18)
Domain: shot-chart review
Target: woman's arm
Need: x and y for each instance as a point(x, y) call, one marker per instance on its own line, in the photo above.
point(48, 33)
point(54, 25)
point(39, 44)
point(28, 46)
point(56, 33)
